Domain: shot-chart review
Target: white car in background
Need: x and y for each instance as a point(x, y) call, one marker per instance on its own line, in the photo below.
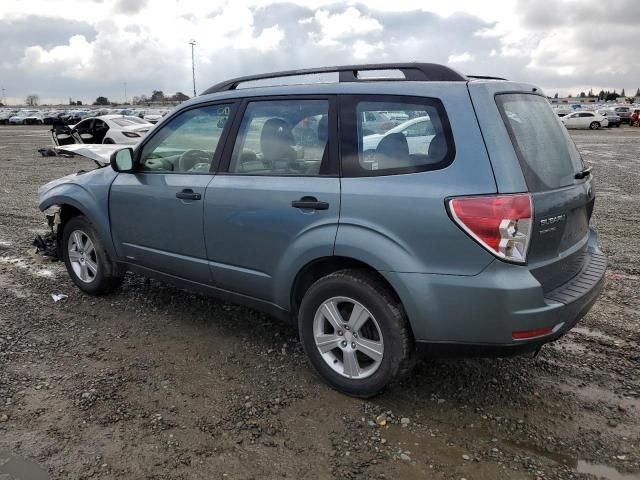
point(154, 116)
point(5, 115)
point(583, 119)
point(118, 129)
point(398, 116)
point(418, 131)
point(562, 110)
point(27, 117)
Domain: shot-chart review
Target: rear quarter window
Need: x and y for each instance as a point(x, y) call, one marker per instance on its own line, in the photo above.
point(547, 155)
point(391, 135)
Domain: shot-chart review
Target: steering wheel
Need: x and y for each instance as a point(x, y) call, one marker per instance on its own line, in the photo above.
point(191, 158)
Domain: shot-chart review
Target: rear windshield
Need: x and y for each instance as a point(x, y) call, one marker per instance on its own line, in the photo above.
point(123, 122)
point(548, 157)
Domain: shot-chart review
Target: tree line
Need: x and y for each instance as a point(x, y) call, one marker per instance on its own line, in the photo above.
point(604, 95)
point(157, 96)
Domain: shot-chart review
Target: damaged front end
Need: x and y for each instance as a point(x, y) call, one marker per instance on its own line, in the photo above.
point(47, 245)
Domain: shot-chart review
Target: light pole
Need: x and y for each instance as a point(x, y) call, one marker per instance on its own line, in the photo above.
point(125, 92)
point(193, 66)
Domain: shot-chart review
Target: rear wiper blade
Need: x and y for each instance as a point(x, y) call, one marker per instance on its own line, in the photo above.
point(584, 173)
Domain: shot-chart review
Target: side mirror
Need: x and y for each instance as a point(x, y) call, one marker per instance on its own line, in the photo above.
point(122, 160)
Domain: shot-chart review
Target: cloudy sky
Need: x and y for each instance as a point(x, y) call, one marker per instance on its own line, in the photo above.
point(84, 48)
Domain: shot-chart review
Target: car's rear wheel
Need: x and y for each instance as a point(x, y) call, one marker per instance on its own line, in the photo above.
point(87, 262)
point(355, 333)
point(594, 125)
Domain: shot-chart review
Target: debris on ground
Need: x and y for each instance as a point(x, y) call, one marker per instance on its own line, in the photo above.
point(46, 245)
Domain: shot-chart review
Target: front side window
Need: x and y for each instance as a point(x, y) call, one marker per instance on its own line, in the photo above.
point(282, 137)
point(187, 144)
point(396, 136)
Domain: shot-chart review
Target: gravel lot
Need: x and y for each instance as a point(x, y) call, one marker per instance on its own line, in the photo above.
point(157, 383)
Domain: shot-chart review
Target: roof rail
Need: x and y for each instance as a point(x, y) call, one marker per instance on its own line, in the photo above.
point(483, 77)
point(431, 72)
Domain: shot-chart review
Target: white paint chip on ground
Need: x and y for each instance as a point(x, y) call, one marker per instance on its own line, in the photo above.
point(58, 296)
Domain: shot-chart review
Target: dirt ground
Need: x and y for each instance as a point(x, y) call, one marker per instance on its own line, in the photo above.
point(157, 383)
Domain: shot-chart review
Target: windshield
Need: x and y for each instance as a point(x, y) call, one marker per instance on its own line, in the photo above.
point(548, 157)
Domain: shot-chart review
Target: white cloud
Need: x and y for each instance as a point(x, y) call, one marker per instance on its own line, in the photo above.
point(362, 50)
point(269, 39)
point(460, 58)
point(73, 59)
point(337, 26)
point(87, 48)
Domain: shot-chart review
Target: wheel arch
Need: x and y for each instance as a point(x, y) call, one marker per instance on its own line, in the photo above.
point(323, 266)
point(73, 201)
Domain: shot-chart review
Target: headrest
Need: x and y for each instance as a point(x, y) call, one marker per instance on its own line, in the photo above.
point(323, 129)
point(276, 139)
point(437, 148)
point(394, 145)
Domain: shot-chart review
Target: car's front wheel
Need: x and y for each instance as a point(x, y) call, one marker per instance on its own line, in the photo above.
point(87, 262)
point(355, 333)
point(108, 140)
point(594, 125)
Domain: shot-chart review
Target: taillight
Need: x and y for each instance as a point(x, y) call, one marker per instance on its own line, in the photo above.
point(500, 223)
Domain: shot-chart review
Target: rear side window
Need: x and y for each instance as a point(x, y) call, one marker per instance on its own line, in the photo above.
point(548, 157)
point(390, 135)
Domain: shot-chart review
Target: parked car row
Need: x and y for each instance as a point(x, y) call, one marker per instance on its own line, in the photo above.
point(615, 115)
point(21, 117)
point(72, 117)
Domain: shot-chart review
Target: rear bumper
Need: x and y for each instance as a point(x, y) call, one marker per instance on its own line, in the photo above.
point(478, 314)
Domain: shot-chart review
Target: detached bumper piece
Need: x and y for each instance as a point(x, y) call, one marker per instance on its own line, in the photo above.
point(47, 245)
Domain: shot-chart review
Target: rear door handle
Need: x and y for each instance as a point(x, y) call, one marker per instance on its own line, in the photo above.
point(188, 194)
point(310, 203)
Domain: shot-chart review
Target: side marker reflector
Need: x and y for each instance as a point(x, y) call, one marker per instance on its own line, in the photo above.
point(531, 333)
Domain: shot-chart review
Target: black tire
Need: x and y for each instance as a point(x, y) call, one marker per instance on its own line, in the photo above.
point(108, 141)
point(397, 359)
point(108, 276)
point(594, 125)
point(617, 125)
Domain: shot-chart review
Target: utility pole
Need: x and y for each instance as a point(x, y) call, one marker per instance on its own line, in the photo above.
point(3, 97)
point(125, 92)
point(193, 66)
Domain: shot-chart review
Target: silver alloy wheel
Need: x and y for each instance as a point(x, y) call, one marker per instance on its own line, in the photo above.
point(82, 256)
point(348, 337)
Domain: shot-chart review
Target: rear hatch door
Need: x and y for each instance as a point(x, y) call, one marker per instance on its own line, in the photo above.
point(554, 172)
